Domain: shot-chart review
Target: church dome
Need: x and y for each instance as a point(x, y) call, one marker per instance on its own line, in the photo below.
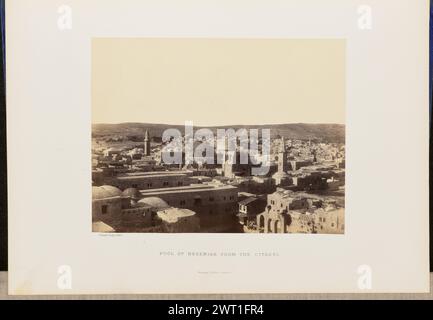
point(105, 192)
point(154, 202)
point(133, 193)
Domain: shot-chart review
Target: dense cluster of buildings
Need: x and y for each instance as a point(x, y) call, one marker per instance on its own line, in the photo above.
point(303, 192)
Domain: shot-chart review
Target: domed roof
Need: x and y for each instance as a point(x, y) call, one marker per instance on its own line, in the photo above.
point(105, 192)
point(132, 192)
point(154, 202)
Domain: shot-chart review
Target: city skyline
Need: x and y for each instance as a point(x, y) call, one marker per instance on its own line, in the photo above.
point(154, 168)
point(221, 125)
point(135, 188)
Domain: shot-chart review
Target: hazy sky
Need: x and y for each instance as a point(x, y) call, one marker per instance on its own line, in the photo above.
point(218, 81)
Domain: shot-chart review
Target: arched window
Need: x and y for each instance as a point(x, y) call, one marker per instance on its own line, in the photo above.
point(276, 226)
point(269, 225)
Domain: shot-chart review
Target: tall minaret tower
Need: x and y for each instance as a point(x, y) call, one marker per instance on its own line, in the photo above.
point(146, 144)
point(282, 157)
point(314, 153)
point(281, 177)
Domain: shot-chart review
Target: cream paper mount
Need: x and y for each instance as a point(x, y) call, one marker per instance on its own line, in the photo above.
point(102, 95)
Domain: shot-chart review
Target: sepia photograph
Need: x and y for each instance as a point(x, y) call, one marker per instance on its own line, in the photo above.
point(217, 150)
point(179, 144)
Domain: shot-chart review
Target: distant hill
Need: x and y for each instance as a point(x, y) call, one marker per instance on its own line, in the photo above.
point(304, 131)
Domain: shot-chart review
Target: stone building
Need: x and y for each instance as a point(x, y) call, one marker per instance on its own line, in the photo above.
point(254, 184)
point(310, 181)
point(195, 195)
point(117, 211)
point(331, 221)
point(107, 202)
point(285, 200)
point(151, 179)
point(110, 152)
point(112, 207)
point(301, 222)
point(320, 221)
point(215, 204)
point(249, 208)
point(271, 221)
point(298, 212)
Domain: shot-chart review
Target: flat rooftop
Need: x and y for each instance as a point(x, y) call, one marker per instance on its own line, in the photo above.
point(186, 189)
point(172, 215)
point(136, 177)
point(152, 173)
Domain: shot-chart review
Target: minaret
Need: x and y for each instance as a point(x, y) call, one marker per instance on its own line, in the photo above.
point(314, 153)
point(146, 144)
point(282, 157)
point(281, 177)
